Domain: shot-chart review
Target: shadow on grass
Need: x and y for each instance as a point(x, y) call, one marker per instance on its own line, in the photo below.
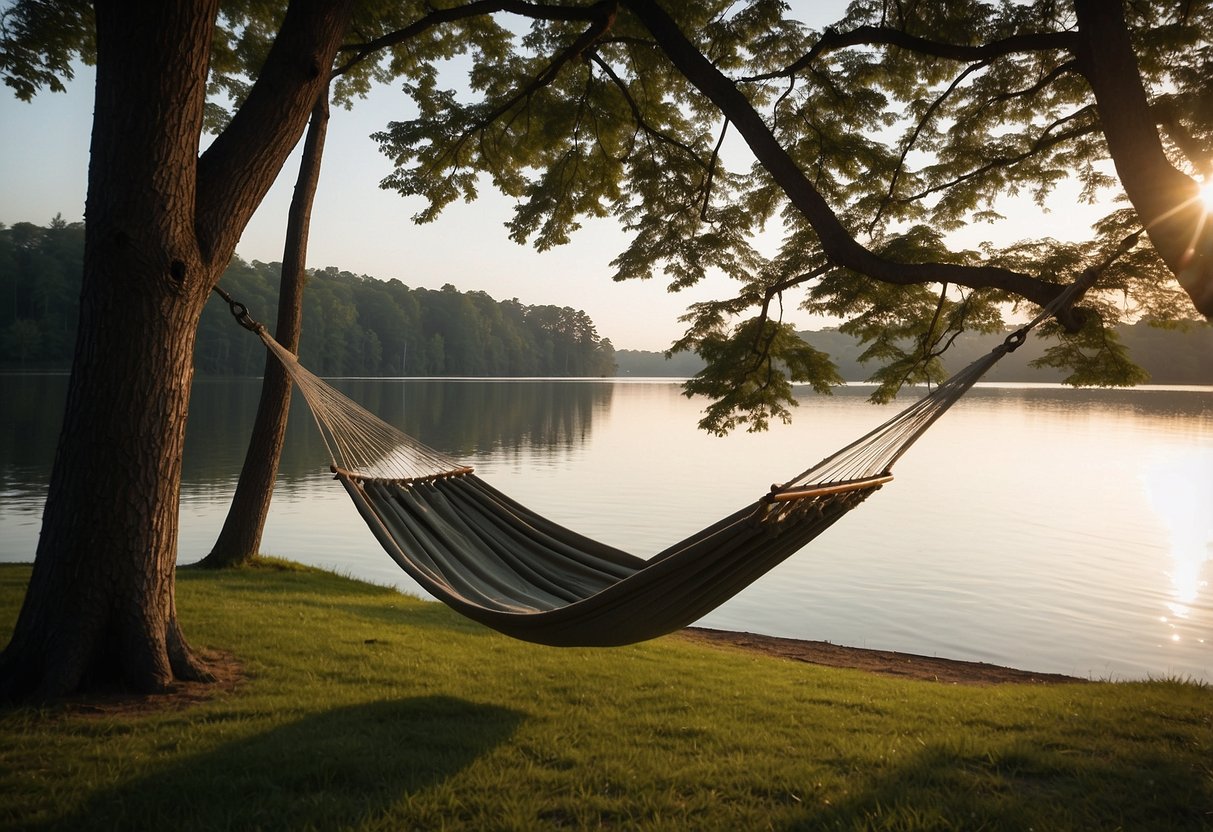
point(326, 771)
point(1023, 788)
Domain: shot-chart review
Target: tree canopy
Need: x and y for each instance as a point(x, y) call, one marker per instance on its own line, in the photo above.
point(866, 144)
point(826, 168)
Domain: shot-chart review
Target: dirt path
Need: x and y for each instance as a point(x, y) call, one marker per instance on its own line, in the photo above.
point(883, 662)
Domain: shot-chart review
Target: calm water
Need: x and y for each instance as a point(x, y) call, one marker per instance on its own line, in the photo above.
point(1046, 528)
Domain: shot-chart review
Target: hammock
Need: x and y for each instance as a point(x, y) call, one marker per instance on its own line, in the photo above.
point(501, 564)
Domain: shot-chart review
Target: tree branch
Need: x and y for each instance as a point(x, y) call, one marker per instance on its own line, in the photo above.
point(643, 124)
point(543, 79)
point(918, 128)
point(832, 40)
point(782, 286)
point(437, 17)
point(707, 185)
point(242, 163)
point(1043, 142)
point(1048, 78)
point(836, 241)
point(1198, 154)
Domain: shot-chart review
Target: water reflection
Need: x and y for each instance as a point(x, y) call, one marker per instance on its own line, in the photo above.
point(1156, 402)
point(1047, 528)
point(464, 419)
point(30, 415)
point(1179, 488)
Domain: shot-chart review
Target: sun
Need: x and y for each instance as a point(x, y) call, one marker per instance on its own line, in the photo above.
point(1206, 196)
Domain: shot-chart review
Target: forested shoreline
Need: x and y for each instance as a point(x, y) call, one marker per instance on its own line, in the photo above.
point(1168, 355)
point(353, 325)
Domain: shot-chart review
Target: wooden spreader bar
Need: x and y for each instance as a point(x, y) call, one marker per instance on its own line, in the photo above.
point(355, 476)
point(783, 495)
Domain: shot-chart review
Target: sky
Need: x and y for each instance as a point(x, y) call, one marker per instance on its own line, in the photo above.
point(357, 226)
point(360, 228)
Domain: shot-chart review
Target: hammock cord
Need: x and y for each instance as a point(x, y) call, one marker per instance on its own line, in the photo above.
point(358, 441)
point(874, 453)
point(364, 446)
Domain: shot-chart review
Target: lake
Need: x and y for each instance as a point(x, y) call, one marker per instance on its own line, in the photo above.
point(1036, 526)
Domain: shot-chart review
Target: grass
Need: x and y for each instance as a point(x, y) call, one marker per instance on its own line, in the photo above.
point(370, 710)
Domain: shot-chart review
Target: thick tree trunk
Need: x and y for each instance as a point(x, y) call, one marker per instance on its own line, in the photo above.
point(100, 608)
point(240, 539)
point(1166, 199)
point(100, 602)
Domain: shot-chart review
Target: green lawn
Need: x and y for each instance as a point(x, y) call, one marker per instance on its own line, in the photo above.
point(366, 709)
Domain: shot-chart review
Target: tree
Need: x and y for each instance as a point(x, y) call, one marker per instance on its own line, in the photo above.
point(870, 141)
point(162, 222)
point(239, 540)
point(39, 281)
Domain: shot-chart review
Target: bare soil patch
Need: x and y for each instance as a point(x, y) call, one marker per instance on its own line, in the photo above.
point(227, 671)
point(882, 662)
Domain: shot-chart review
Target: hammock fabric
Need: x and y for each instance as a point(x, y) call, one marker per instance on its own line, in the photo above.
point(503, 565)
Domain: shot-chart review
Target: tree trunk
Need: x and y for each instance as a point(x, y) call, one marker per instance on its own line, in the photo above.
point(1166, 199)
point(161, 224)
point(100, 602)
point(240, 539)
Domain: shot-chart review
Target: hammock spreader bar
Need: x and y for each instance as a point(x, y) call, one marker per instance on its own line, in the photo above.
point(501, 564)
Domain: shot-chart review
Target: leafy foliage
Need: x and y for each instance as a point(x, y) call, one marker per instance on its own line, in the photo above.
point(910, 121)
point(867, 145)
point(40, 271)
point(358, 325)
point(746, 385)
point(40, 40)
point(1095, 356)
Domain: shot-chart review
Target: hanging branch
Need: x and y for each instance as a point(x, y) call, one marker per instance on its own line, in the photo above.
point(707, 187)
point(641, 122)
point(832, 40)
point(1044, 141)
point(918, 128)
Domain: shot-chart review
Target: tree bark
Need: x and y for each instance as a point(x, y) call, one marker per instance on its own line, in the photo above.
point(1167, 200)
point(239, 540)
point(100, 608)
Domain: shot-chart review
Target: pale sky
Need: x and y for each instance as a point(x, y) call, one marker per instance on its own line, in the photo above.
point(356, 226)
point(360, 228)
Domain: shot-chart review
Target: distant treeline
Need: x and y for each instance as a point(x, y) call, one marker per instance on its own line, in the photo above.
point(1169, 356)
point(356, 325)
point(352, 325)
